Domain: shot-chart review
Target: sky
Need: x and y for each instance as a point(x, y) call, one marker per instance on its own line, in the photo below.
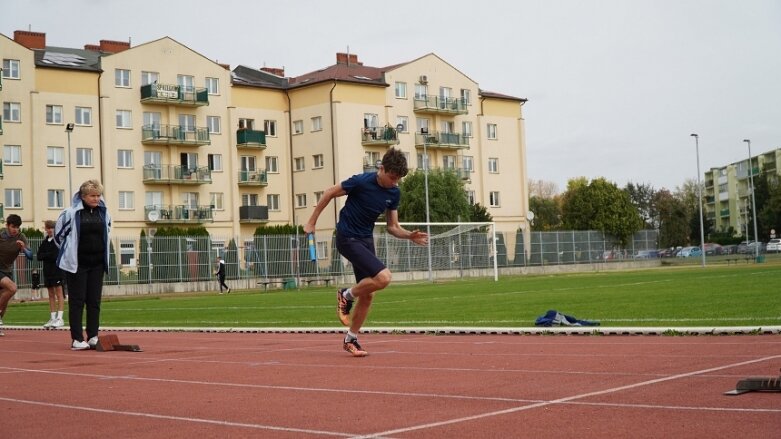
point(614, 87)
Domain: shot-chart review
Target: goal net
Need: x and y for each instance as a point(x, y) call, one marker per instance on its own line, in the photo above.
point(452, 246)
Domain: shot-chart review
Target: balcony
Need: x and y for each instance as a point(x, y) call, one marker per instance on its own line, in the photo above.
point(174, 135)
point(253, 214)
point(253, 178)
point(171, 94)
point(439, 105)
point(441, 140)
point(178, 214)
point(724, 213)
point(176, 174)
point(250, 139)
point(379, 136)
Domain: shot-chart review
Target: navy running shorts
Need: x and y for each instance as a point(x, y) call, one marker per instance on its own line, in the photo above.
point(361, 254)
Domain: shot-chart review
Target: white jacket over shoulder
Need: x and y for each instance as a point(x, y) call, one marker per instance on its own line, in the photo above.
point(66, 234)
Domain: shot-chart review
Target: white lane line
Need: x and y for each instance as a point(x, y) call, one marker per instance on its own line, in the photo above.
point(563, 400)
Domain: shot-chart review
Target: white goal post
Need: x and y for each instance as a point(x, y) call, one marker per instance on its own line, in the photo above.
point(452, 246)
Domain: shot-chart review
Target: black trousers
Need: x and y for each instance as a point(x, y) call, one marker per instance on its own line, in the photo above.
point(85, 287)
point(221, 278)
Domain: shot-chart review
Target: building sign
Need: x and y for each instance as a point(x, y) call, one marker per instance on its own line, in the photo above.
point(168, 91)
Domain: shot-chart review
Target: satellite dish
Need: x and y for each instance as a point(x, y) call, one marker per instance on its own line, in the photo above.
point(153, 215)
point(530, 215)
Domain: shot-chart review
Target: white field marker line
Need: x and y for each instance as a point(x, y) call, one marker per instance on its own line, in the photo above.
point(177, 418)
point(565, 399)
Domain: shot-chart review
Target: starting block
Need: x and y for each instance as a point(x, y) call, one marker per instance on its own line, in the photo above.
point(110, 342)
point(756, 384)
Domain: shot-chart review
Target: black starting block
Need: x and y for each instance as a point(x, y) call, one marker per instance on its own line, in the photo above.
point(110, 342)
point(756, 384)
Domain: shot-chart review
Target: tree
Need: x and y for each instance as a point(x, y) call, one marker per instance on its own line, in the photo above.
point(673, 219)
point(447, 199)
point(599, 205)
point(769, 216)
point(642, 197)
point(480, 214)
point(689, 195)
point(547, 213)
point(543, 189)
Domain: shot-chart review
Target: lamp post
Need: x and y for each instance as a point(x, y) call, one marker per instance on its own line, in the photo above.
point(699, 195)
point(428, 215)
point(69, 130)
point(753, 200)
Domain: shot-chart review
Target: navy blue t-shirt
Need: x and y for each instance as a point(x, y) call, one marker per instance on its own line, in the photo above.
point(366, 201)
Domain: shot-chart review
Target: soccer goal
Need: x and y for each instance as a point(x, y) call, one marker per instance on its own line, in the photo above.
point(458, 247)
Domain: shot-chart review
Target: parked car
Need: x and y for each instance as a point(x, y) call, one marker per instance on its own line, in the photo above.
point(729, 249)
point(689, 252)
point(712, 249)
point(743, 247)
point(647, 254)
point(774, 246)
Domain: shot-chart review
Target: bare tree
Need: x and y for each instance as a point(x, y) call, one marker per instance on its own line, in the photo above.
point(543, 189)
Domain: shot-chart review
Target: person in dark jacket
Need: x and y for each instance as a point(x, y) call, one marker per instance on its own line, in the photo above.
point(221, 274)
point(12, 242)
point(82, 233)
point(52, 276)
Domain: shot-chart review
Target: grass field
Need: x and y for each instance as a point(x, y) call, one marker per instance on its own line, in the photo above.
point(742, 295)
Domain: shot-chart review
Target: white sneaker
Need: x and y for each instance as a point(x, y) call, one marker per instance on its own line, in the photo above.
point(58, 323)
point(49, 324)
point(1, 321)
point(79, 345)
point(93, 342)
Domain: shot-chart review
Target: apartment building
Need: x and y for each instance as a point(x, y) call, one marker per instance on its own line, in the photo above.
point(727, 193)
point(179, 139)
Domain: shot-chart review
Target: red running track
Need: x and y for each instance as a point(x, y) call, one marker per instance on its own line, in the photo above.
point(203, 385)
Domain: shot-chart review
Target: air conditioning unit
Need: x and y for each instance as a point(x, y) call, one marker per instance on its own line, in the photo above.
point(423, 79)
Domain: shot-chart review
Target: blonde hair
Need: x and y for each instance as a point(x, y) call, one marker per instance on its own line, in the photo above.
point(91, 186)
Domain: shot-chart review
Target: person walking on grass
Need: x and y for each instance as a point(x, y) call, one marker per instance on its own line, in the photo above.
point(12, 241)
point(52, 276)
point(81, 233)
point(221, 274)
point(368, 196)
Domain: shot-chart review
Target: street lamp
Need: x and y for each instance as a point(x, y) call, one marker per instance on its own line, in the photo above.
point(753, 200)
point(428, 215)
point(69, 130)
point(699, 195)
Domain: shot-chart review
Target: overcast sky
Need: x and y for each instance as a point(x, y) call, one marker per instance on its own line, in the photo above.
point(615, 87)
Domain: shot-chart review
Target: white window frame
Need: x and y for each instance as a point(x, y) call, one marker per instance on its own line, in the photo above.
point(270, 128)
point(300, 201)
point(213, 86)
point(127, 248)
point(400, 89)
point(468, 163)
point(84, 158)
point(217, 200)
point(122, 78)
point(55, 198)
point(493, 165)
point(83, 116)
point(317, 123)
point(153, 199)
point(124, 119)
point(13, 198)
point(299, 164)
point(55, 156)
point(466, 128)
point(149, 77)
point(54, 114)
point(421, 91)
point(272, 202)
point(371, 120)
point(298, 127)
point(272, 164)
point(494, 199)
point(124, 158)
point(12, 112)
point(318, 161)
point(466, 96)
point(246, 124)
point(125, 200)
point(215, 162)
point(470, 196)
point(12, 155)
point(215, 124)
point(322, 249)
point(187, 122)
point(404, 122)
point(249, 199)
point(11, 69)
point(491, 131)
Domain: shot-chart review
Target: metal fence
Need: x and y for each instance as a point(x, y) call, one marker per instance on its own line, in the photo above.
point(158, 260)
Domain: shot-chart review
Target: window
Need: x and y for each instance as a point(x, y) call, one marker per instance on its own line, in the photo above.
point(300, 200)
point(270, 128)
point(127, 253)
point(466, 96)
point(466, 128)
point(470, 196)
point(213, 86)
point(421, 90)
point(448, 126)
point(445, 93)
point(246, 124)
point(83, 116)
point(322, 249)
point(11, 68)
point(493, 199)
point(122, 78)
point(371, 158)
point(249, 199)
point(190, 199)
point(187, 122)
point(152, 120)
point(187, 82)
point(125, 201)
point(13, 198)
point(272, 164)
point(54, 114)
point(299, 164)
point(149, 77)
point(54, 155)
point(12, 112)
point(272, 201)
point(404, 122)
point(318, 196)
point(124, 158)
point(422, 125)
point(55, 198)
point(153, 200)
point(213, 122)
point(468, 163)
point(401, 90)
point(84, 157)
point(422, 161)
point(247, 163)
point(317, 161)
point(370, 120)
point(12, 154)
point(298, 126)
point(492, 131)
point(153, 158)
point(216, 200)
point(317, 123)
point(215, 162)
point(124, 119)
point(493, 165)
point(449, 162)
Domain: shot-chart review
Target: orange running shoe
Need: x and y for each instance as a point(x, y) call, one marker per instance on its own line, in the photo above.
point(354, 348)
point(343, 307)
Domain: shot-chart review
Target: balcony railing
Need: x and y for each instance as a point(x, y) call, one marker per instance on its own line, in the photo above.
point(174, 135)
point(442, 140)
point(180, 213)
point(172, 94)
point(383, 136)
point(253, 178)
point(176, 174)
point(462, 173)
point(439, 105)
point(250, 139)
point(724, 213)
point(253, 214)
